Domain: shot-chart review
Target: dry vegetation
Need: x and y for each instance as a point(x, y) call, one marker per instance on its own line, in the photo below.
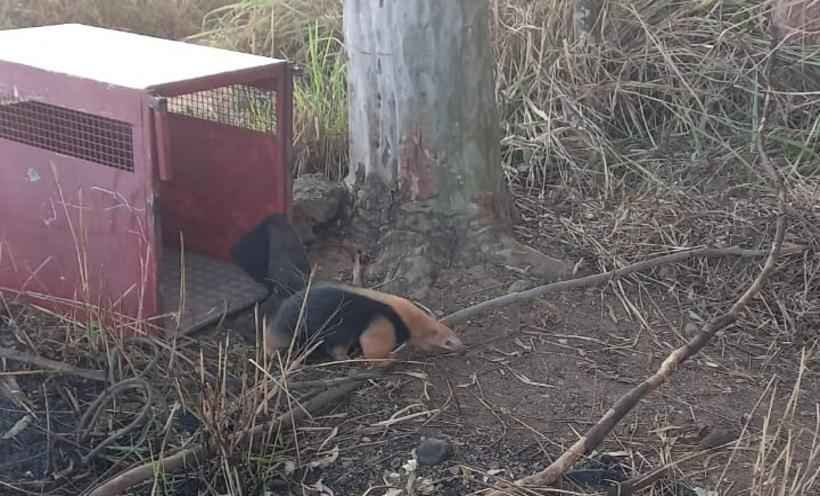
point(636, 143)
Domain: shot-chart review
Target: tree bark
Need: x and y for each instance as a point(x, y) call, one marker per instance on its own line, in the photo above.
point(425, 171)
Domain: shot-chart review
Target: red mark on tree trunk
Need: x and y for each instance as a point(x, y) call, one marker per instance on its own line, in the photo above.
point(416, 178)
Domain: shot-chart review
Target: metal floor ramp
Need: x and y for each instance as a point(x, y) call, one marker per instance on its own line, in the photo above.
point(212, 288)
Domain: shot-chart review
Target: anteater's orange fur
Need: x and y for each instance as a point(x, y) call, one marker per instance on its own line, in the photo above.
point(426, 333)
point(367, 318)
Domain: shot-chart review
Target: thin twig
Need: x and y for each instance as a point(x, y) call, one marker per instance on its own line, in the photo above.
point(333, 381)
point(89, 418)
point(64, 368)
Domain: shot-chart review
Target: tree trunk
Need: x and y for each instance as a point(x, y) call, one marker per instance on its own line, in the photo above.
point(425, 162)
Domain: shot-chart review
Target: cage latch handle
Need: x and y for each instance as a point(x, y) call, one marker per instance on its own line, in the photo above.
point(159, 105)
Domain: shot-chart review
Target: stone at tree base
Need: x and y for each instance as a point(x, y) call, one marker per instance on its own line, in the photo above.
point(432, 451)
point(317, 201)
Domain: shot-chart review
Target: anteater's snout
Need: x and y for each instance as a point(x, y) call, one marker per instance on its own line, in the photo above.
point(453, 343)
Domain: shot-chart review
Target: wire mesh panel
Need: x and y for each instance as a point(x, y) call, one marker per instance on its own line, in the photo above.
point(77, 134)
point(237, 105)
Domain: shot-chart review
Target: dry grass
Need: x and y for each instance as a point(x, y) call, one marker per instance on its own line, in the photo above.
point(166, 18)
point(177, 393)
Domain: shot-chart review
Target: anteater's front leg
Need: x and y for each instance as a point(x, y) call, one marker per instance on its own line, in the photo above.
point(378, 342)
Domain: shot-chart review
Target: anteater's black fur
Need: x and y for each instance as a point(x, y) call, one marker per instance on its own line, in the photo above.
point(272, 254)
point(335, 314)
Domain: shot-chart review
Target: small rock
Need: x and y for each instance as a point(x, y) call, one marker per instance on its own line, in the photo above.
point(316, 202)
point(431, 451)
point(318, 198)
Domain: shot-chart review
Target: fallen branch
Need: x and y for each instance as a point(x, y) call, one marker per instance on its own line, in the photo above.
point(335, 381)
point(597, 433)
point(604, 277)
point(61, 367)
point(181, 460)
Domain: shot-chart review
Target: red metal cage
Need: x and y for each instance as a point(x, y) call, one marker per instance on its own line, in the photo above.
point(117, 151)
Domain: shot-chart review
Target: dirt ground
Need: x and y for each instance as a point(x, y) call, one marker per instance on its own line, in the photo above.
point(535, 377)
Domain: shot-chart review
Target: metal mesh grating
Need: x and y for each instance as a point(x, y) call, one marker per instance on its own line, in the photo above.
point(238, 105)
point(212, 287)
point(77, 134)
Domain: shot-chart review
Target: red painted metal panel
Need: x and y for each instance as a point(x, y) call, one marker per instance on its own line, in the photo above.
point(74, 192)
point(75, 229)
point(226, 180)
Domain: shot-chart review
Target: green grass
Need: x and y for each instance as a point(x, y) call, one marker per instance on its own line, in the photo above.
point(320, 98)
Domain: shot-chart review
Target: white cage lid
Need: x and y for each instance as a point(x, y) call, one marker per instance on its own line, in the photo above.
point(117, 57)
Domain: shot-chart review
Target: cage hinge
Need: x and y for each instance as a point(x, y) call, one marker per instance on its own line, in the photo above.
point(159, 107)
